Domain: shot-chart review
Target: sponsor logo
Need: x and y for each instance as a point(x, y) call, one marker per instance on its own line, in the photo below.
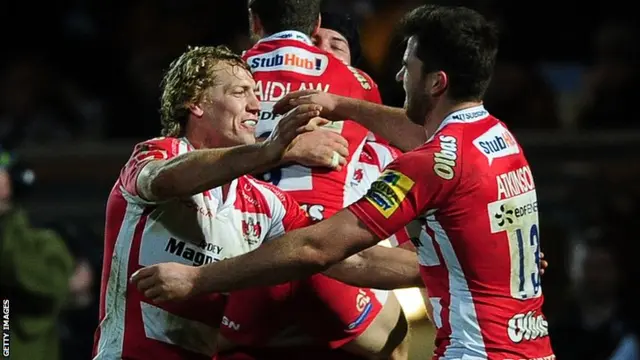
point(364, 306)
point(527, 327)
point(444, 161)
point(514, 183)
point(388, 192)
point(361, 78)
point(472, 115)
point(513, 212)
point(187, 252)
point(289, 58)
point(274, 91)
point(497, 142)
point(226, 322)
point(251, 230)
point(315, 212)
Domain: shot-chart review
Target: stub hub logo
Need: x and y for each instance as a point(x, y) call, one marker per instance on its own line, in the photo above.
point(290, 58)
point(497, 142)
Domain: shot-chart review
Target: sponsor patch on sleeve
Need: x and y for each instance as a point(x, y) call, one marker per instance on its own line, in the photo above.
point(388, 192)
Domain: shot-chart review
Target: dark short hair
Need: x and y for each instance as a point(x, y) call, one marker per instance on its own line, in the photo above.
point(347, 26)
point(458, 41)
point(282, 15)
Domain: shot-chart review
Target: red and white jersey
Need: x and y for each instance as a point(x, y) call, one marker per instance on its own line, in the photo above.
point(479, 250)
point(206, 227)
point(374, 158)
point(288, 61)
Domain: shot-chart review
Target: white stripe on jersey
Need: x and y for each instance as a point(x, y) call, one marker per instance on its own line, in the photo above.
point(466, 340)
point(112, 326)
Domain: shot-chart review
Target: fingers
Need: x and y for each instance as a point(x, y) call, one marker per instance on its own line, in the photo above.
point(340, 140)
point(313, 124)
point(146, 284)
point(143, 273)
point(300, 117)
point(291, 100)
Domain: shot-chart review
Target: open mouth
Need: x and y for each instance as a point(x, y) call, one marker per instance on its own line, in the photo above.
point(250, 123)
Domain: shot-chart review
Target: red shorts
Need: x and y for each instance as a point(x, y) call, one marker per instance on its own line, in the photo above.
point(329, 311)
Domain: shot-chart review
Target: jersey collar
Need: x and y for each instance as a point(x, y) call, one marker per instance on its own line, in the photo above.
point(468, 115)
point(288, 35)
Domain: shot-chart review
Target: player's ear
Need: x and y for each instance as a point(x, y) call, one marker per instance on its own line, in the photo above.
point(438, 83)
point(196, 110)
point(255, 24)
point(316, 28)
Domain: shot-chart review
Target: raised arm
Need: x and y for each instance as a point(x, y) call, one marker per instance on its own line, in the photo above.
point(388, 122)
point(201, 170)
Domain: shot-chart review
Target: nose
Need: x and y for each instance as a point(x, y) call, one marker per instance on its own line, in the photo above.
point(253, 105)
point(400, 75)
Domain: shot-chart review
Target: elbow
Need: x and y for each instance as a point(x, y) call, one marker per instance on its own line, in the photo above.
point(315, 258)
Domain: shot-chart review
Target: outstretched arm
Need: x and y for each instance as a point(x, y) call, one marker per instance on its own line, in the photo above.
point(379, 267)
point(388, 122)
point(298, 254)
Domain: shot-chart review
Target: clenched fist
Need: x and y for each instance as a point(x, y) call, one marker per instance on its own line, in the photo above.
point(166, 281)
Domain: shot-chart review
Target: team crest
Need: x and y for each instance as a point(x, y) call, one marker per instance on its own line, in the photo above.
point(357, 176)
point(251, 230)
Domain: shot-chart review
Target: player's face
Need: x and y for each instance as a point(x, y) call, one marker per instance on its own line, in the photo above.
point(417, 102)
point(334, 43)
point(231, 107)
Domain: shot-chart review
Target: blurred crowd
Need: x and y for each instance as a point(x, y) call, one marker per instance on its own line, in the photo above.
point(566, 83)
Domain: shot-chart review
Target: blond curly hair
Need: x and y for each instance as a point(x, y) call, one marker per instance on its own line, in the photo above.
point(186, 81)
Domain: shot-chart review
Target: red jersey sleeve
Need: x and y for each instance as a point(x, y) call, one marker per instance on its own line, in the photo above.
point(143, 153)
point(411, 185)
point(286, 213)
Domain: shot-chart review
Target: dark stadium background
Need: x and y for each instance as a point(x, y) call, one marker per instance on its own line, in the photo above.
point(79, 86)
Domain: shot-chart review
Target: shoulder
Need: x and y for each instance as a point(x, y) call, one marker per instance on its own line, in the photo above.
point(493, 140)
point(162, 147)
point(363, 80)
point(439, 156)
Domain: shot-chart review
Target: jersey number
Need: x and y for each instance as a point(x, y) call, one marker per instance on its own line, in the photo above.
point(525, 262)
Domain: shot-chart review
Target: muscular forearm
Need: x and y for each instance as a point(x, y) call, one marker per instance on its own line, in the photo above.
point(197, 171)
point(380, 268)
point(388, 122)
point(273, 263)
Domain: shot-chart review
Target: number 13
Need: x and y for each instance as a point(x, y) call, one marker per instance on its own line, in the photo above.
point(528, 283)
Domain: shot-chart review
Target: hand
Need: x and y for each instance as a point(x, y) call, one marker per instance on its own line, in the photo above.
point(328, 102)
point(543, 264)
point(318, 148)
point(298, 120)
point(166, 281)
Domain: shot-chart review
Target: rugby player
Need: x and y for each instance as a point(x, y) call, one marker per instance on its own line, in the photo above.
point(184, 198)
point(469, 184)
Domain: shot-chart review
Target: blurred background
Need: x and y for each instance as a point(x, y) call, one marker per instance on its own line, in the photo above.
point(79, 85)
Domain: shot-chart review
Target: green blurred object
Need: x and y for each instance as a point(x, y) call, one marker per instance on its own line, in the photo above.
point(35, 267)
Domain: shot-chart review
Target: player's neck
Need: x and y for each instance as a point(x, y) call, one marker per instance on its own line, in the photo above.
point(442, 110)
